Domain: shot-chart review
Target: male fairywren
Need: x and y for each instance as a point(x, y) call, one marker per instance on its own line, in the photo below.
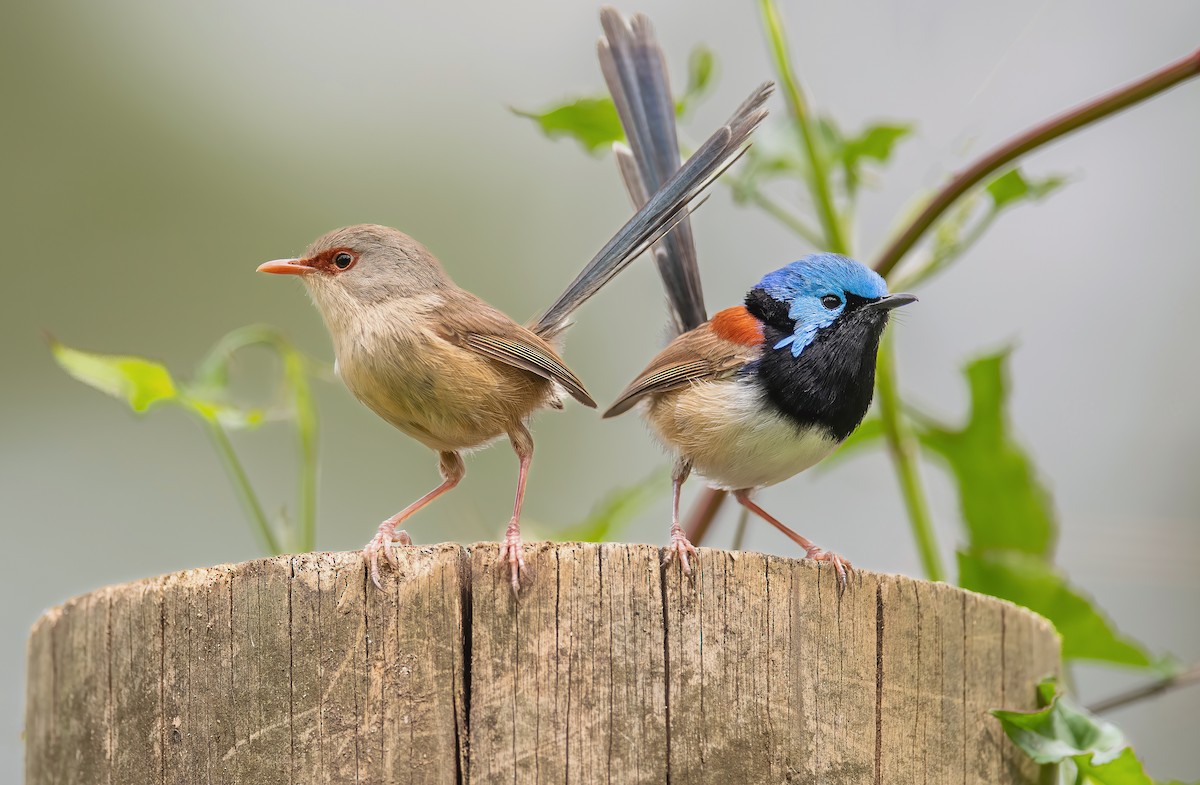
point(764, 390)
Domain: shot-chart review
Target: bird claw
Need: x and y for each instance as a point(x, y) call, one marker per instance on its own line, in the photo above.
point(841, 566)
point(383, 542)
point(512, 553)
point(680, 547)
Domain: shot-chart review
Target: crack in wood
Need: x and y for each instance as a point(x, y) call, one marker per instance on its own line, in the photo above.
point(298, 671)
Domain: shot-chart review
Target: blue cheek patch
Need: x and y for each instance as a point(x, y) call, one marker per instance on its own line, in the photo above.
point(808, 320)
point(798, 340)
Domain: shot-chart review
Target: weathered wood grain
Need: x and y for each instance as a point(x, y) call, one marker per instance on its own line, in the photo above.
point(607, 669)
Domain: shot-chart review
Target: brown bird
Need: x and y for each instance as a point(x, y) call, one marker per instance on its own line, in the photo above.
point(448, 369)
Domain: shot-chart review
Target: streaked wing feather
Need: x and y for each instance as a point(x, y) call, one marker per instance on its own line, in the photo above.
point(696, 355)
point(657, 381)
point(534, 359)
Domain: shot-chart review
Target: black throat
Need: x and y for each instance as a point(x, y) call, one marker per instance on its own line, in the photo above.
point(831, 383)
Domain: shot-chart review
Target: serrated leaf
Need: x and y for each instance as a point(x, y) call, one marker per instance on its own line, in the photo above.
point(1029, 581)
point(1004, 504)
point(850, 152)
point(593, 122)
point(1060, 730)
point(1012, 187)
point(139, 382)
point(617, 509)
point(1010, 522)
point(1087, 749)
point(874, 143)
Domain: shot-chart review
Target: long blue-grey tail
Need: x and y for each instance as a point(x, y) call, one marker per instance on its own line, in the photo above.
point(662, 211)
point(635, 69)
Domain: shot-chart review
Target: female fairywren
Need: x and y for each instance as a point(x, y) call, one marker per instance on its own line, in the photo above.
point(449, 370)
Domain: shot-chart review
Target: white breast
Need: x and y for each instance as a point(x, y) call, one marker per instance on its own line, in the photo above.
point(733, 437)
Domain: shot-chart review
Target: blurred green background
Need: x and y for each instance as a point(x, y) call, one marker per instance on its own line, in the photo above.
point(154, 154)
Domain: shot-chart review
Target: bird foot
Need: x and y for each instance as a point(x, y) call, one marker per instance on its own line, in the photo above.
point(383, 542)
point(679, 547)
point(840, 565)
point(512, 553)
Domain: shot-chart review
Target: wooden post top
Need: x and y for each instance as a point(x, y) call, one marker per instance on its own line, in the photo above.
point(296, 669)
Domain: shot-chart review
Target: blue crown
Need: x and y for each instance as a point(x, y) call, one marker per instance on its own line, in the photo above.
point(803, 284)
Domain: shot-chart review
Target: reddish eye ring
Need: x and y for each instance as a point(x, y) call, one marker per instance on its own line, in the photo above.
point(342, 260)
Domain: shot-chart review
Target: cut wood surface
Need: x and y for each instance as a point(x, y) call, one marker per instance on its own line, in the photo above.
point(607, 669)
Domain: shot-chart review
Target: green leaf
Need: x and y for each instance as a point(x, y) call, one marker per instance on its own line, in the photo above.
point(209, 395)
point(777, 152)
point(1061, 730)
point(139, 382)
point(1010, 522)
point(774, 154)
point(1004, 504)
point(1125, 769)
point(867, 434)
point(617, 509)
point(874, 143)
point(228, 415)
point(592, 122)
point(1012, 187)
point(963, 226)
point(1087, 749)
point(701, 66)
point(1027, 580)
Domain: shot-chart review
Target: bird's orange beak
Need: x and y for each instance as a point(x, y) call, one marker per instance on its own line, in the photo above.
point(287, 267)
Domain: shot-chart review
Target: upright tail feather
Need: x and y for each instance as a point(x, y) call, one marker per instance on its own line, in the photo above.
point(636, 73)
point(662, 211)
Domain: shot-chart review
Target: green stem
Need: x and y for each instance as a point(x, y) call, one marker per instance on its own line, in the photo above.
point(1039, 135)
point(245, 491)
point(902, 446)
point(937, 263)
point(302, 537)
point(306, 433)
point(818, 181)
point(784, 216)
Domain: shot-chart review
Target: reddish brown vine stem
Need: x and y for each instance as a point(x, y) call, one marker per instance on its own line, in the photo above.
point(1186, 678)
point(1041, 134)
point(703, 511)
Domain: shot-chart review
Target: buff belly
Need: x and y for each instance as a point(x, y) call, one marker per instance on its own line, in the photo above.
point(448, 398)
point(732, 436)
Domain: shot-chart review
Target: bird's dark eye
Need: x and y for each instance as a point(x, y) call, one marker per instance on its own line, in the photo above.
point(343, 260)
point(831, 301)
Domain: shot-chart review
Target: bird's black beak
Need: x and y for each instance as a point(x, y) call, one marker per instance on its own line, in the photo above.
point(891, 301)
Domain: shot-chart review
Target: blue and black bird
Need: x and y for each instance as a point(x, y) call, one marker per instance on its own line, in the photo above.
point(763, 390)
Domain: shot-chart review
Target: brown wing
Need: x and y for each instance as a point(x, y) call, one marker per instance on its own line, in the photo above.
point(696, 355)
point(477, 326)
